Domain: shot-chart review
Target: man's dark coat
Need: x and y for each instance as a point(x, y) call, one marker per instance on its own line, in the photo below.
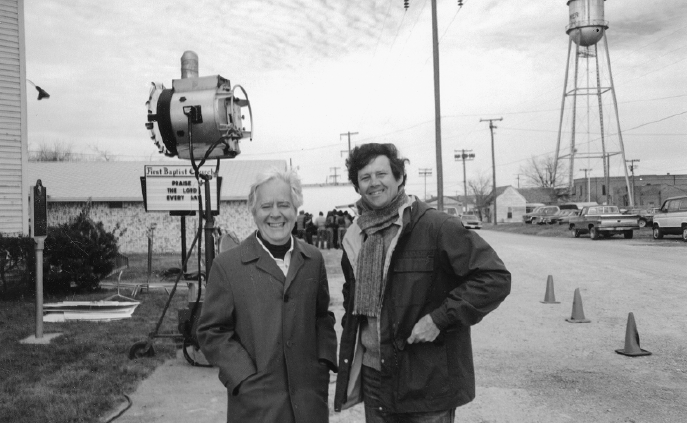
point(271, 336)
point(438, 268)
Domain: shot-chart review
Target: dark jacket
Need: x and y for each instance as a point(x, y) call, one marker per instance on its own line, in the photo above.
point(270, 334)
point(439, 268)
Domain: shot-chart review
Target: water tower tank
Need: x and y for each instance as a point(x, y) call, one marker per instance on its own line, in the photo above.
point(587, 24)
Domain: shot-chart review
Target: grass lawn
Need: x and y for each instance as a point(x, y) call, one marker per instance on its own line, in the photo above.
point(82, 374)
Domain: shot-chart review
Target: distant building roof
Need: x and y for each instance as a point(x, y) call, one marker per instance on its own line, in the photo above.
point(120, 181)
point(539, 195)
point(499, 190)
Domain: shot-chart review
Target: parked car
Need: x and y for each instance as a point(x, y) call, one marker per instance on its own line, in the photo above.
point(471, 221)
point(451, 211)
point(671, 219)
point(556, 218)
point(565, 220)
point(646, 216)
point(603, 221)
point(535, 216)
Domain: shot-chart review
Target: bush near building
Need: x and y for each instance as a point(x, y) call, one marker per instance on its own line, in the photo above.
point(77, 256)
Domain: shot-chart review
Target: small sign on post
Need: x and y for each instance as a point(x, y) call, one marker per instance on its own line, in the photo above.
point(39, 210)
point(38, 204)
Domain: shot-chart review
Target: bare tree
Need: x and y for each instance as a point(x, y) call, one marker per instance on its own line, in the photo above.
point(480, 187)
point(102, 154)
point(539, 172)
point(58, 151)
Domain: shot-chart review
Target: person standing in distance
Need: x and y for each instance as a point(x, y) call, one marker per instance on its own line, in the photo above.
point(265, 322)
point(415, 282)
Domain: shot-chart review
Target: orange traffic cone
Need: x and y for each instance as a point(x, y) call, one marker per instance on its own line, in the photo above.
point(632, 339)
point(549, 296)
point(577, 310)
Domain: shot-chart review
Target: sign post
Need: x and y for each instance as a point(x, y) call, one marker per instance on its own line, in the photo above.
point(38, 212)
point(39, 231)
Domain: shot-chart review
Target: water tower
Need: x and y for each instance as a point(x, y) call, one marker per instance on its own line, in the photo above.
point(593, 123)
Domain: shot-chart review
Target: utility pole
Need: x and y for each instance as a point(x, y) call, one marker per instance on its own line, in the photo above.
point(437, 103)
point(633, 166)
point(589, 186)
point(349, 140)
point(334, 176)
point(464, 155)
point(493, 161)
point(426, 172)
point(517, 176)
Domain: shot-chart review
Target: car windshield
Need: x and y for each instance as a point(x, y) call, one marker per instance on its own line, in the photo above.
point(468, 217)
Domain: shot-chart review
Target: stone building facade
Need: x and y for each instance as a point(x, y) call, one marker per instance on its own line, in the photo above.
point(134, 223)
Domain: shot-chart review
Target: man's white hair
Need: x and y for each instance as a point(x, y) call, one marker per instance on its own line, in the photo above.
point(289, 176)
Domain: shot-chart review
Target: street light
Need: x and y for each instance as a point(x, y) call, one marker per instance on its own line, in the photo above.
point(41, 92)
point(464, 155)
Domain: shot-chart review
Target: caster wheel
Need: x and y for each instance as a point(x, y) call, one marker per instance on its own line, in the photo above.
point(141, 349)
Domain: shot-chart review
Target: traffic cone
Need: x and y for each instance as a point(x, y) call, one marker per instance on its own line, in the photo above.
point(632, 339)
point(549, 297)
point(577, 310)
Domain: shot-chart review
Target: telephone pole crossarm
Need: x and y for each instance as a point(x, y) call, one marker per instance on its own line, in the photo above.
point(349, 140)
point(464, 155)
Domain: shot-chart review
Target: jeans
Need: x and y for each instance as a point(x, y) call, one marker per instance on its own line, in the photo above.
point(374, 412)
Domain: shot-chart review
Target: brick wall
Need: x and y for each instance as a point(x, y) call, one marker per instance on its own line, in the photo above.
point(132, 217)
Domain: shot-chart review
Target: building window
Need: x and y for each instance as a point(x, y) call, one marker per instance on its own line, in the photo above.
point(115, 204)
point(510, 212)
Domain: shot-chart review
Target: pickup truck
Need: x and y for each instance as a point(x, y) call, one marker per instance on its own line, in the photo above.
point(603, 221)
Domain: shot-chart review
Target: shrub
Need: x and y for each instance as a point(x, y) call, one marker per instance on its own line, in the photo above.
point(78, 254)
point(17, 266)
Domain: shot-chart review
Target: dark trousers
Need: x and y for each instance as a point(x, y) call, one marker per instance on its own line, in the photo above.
point(375, 413)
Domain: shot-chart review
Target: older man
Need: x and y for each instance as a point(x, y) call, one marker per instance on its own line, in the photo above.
point(265, 321)
point(416, 280)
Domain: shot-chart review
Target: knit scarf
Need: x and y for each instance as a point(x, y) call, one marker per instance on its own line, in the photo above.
point(370, 283)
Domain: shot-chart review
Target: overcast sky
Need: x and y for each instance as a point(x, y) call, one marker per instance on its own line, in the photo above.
point(314, 69)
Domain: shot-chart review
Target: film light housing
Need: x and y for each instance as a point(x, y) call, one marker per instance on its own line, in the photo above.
point(207, 103)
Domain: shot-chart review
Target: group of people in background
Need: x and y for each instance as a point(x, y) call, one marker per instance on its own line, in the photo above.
point(323, 231)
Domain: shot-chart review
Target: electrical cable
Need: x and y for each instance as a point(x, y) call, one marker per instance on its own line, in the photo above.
point(199, 235)
point(118, 415)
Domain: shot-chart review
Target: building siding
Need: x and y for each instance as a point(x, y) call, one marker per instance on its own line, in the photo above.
point(13, 141)
point(650, 190)
point(510, 206)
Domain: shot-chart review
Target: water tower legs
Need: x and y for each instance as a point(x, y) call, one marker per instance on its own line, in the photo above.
point(580, 89)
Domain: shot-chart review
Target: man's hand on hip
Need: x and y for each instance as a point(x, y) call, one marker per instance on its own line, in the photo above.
point(424, 331)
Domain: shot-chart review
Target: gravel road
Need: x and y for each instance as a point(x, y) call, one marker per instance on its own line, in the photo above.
point(531, 365)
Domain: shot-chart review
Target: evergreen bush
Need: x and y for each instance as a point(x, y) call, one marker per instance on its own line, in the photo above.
point(78, 254)
point(17, 266)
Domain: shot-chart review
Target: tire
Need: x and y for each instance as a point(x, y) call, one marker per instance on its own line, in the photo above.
point(594, 233)
point(534, 221)
point(658, 233)
point(642, 223)
point(628, 234)
point(141, 349)
point(684, 233)
point(575, 233)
